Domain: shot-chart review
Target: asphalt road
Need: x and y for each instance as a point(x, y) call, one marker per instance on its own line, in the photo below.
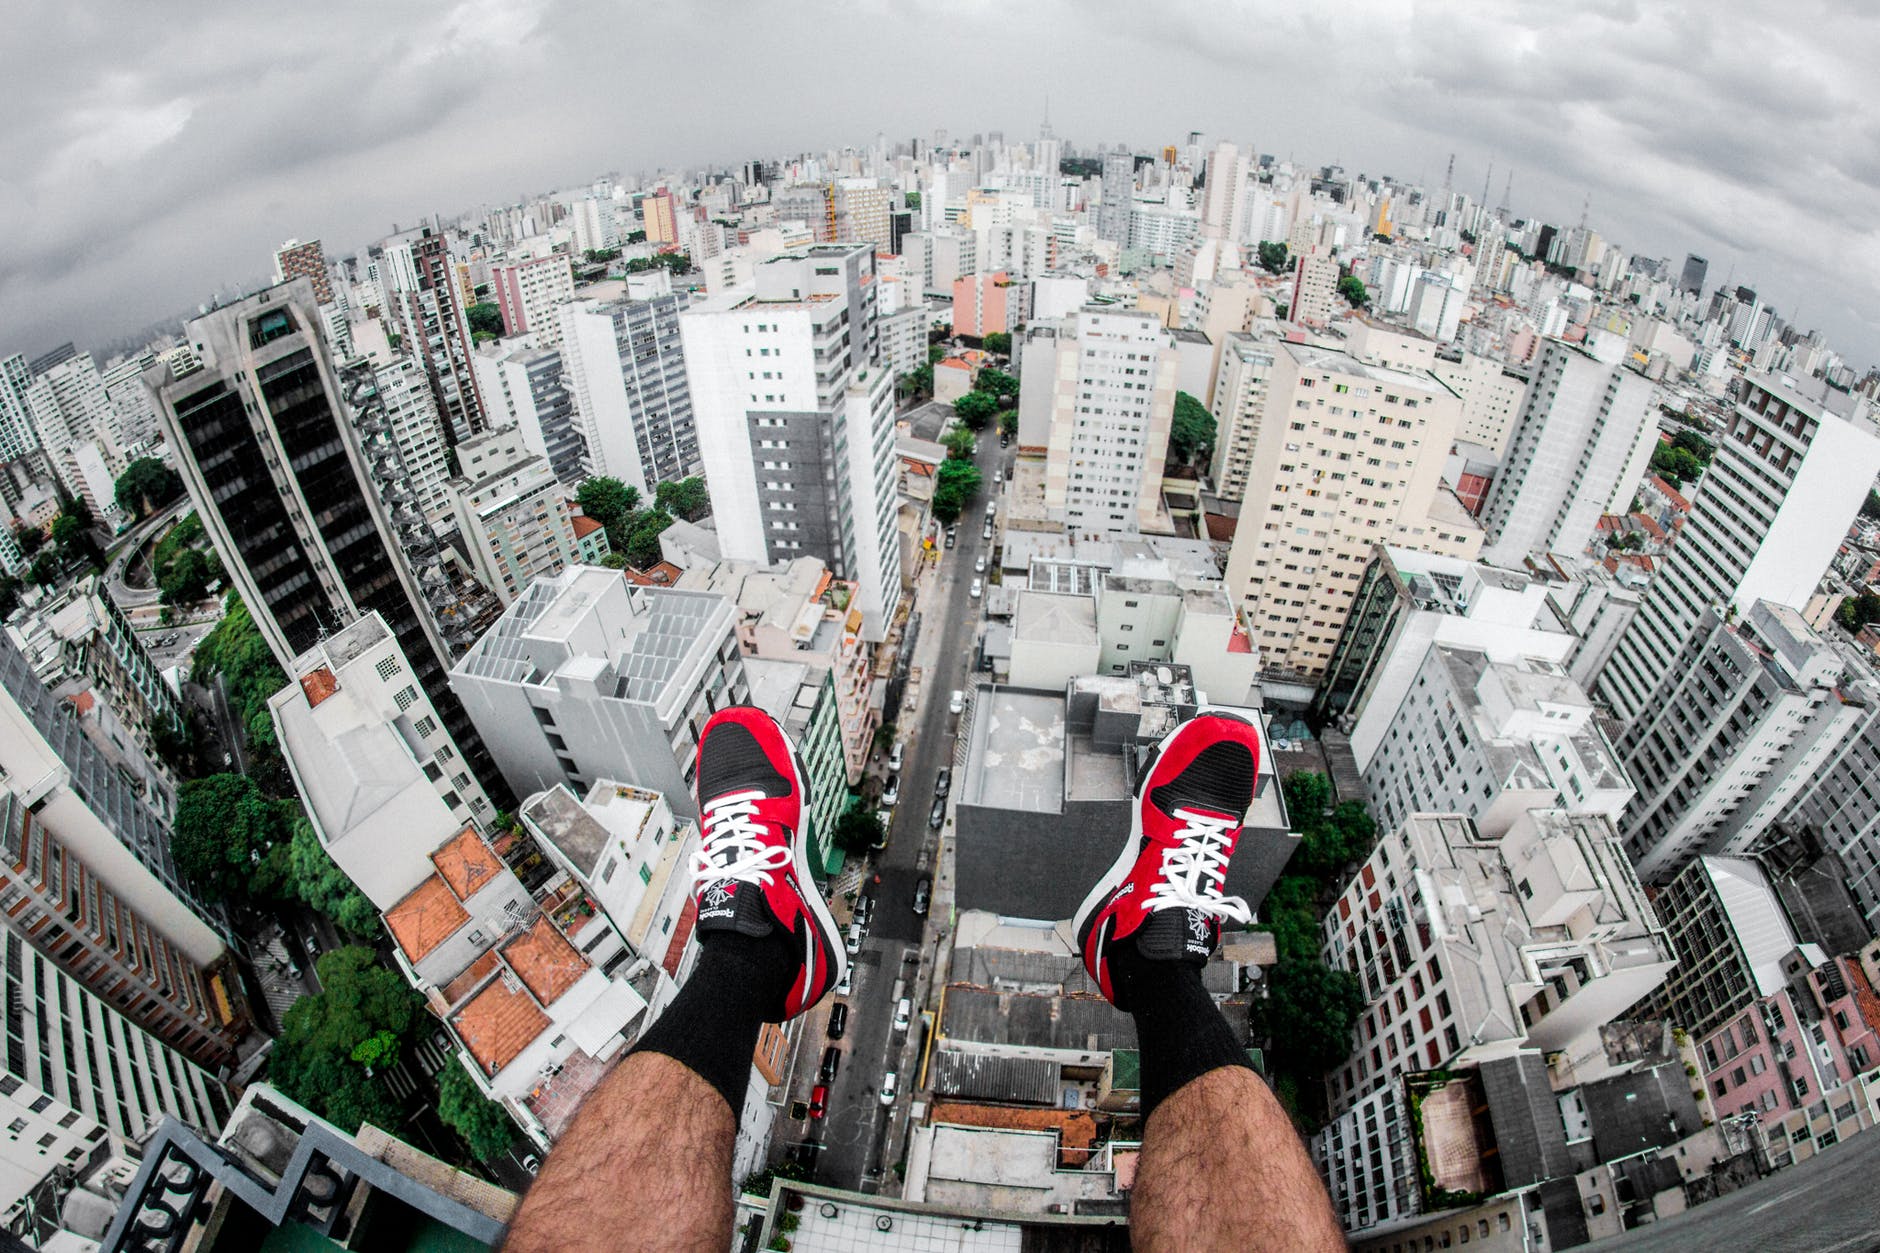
point(1824, 1205)
point(853, 1153)
point(127, 547)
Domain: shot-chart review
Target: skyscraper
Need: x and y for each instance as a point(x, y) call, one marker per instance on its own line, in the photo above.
point(1692, 280)
point(422, 290)
point(527, 292)
point(1113, 402)
point(1789, 474)
point(1579, 449)
point(1119, 196)
point(290, 464)
point(526, 388)
point(796, 420)
point(625, 368)
point(298, 259)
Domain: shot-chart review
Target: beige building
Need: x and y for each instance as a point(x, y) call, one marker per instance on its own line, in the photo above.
point(1240, 393)
point(1348, 454)
point(1315, 289)
point(511, 513)
point(1491, 398)
point(1112, 401)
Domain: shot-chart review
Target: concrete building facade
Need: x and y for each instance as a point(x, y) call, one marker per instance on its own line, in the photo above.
point(1113, 398)
point(626, 371)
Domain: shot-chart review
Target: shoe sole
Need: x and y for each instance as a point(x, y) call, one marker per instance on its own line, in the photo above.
point(1126, 860)
point(806, 886)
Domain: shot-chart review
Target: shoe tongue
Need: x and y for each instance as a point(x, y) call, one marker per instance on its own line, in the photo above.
point(1176, 935)
point(733, 905)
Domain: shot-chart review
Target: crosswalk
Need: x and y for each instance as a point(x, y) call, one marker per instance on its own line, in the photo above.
point(278, 988)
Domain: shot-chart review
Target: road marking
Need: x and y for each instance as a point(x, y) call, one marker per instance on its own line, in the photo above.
point(1777, 1200)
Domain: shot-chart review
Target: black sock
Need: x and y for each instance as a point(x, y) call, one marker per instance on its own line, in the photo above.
point(711, 1026)
point(1180, 1033)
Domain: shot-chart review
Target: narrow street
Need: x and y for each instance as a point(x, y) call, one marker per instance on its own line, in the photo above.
point(854, 1153)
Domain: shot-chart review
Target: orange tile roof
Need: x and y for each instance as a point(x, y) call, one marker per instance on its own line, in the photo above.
point(466, 863)
point(82, 702)
point(545, 961)
point(1076, 1128)
point(425, 918)
point(584, 526)
point(318, 685)
point(464, 984)
point(498, 1024)
point(681, 935)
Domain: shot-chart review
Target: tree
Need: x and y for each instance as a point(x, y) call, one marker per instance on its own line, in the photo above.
point(29, 538)
point(1857, 611)
point(325, 887)
point(331, 1042)
point(236, 651)
point(642, 537)
point(1870, 508)
point(1309, 1011)
point(1308, 796)
point(228, 838)
point(857, 830)
point(607, 500)
point(488, 1131)
point(1273, 257)
point(954, 485)
point(998, 343)
point(1008, 421)
point(996, 383)
point(976, 409)
point(1695, 444)
point(1351, 287)
point(687, 498)
point(1191, 430)
point(45, 569)
point(1676, 466)
point(186, 579)
point(485, 319)
point(146, 486)
point(9, 595)
point(959, 443)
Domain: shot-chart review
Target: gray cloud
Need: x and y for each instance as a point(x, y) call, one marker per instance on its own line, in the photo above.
point(157, 154)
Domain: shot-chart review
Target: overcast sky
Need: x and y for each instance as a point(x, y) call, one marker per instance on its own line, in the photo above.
point(158, 153)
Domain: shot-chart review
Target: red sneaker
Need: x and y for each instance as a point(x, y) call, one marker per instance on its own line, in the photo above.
point(752, 868)
point(1164, 893)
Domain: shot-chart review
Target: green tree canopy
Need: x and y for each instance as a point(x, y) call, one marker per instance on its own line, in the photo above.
point(485, 1127)
point(484, 319)
point(1695, 444)
point(1870, 508)
point(1191, 431)
point(146, 486)
point(687, 498)
point(1308, 1013)
point(995, 383)
point(857, 830)
point(641, 544)
point(1857, 611)
point(1351, 287)
point(331, 1042)
point(325, 887)
point(45, 569)
point(607, 500)
point(1273, 257)
point(1676, 466)
point(959, 443)
point(998, 343)
point(976, 409)
point(229, 838)
point(186, 580)
point(236, 651)
point(954, 486)
point(1008, 421)
point(29, 538)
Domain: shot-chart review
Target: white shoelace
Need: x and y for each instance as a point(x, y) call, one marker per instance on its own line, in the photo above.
point(734, 845)
point(1195, 870)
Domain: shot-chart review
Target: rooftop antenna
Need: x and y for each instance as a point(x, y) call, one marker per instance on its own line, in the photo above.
point(1507, 190)
point(1487, 174)
point(1584, 206)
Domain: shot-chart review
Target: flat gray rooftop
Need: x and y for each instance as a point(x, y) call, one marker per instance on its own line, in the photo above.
point(1017, 754)
point(569, 827)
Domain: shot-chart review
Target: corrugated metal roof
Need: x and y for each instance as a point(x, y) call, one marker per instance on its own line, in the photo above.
point(1005, 1080)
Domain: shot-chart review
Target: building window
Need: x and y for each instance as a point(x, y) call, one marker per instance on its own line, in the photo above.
point(425, 726)
point(386, 668)
point(405, 697)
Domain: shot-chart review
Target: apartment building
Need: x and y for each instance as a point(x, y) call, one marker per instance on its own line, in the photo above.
point(527, 293)
point(415, 427)
point(1493, 740)
point(1579, 450)
point(1790, 473)
point(1239, 408)
point(626, 371)
point(1731, 936)
point(525, 388)
point(511, 513)
point(1749, 713)
point(1348, 455)
point(1492, 398)
point(1112, 400)
point(1472, 948)
point(796, 421)
point(587, 677)
point(427, 302)
point(1837, 803)
point(1315, 299)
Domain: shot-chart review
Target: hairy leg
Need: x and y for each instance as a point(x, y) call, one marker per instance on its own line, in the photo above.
point(1223, 1169)
point(646, 1164)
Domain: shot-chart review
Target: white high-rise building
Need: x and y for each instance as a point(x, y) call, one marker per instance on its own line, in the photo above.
point(511, 514)
point(1789, 475)
point(626, 370)
point(1239, 408)
point(527, 293)
point(795, 419)
point(418, 431)
point(1748, 713)
point(1223, 206)
point(1579, 450)
point(1119, 196)
point(1112, 403)
point(17, 436)
point(1492, 396)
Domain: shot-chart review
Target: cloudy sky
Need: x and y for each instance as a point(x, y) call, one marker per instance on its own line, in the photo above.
point(156, 154)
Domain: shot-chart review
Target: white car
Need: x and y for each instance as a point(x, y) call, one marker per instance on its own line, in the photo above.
point(891, 791)
point(956, 703)
point(894, 756)
point(998, 476)
point(889, 1083)
point(903, 1013)
point(979, 564)
point(854, 942)
point(976, 588)
point(846, 984)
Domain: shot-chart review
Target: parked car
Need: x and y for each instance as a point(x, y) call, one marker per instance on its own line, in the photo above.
point(992, 508)
point(532, 1164)
point(854, 943)
point(831, 1062)
point(864, 906)
point(952, 535)
point(979, 564)
point(986, 533)
point(943, 782)
point(886, 818)
point(1004, 439)
point(819, 1101)
point(923, 893)
point(894, 756)
point(838, 1020)
point(956, 702)
point(846, 984)
point(998, 476)
point(903, 1013)
point(891, 790)
point(938, 814)
point(889, 1082)
point(977, 587)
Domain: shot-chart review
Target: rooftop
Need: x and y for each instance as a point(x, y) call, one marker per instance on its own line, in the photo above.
point(1053, 618)
point(425, 918)
point(498, 1023)
point(545, 962)
point(466, 863)
point(1018, 742)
